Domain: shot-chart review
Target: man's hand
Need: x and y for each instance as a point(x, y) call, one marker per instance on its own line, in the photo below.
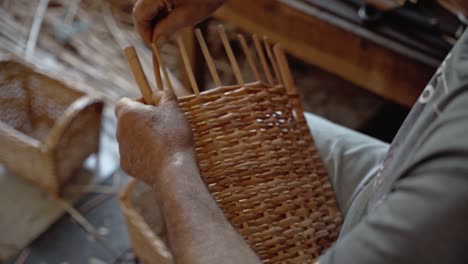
point(159, 18)
point(156, 146)
point(151, 137)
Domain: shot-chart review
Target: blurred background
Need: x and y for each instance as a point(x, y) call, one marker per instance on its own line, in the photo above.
point(361, 64)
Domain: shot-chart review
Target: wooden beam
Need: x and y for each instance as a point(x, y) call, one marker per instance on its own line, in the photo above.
point(334, 49)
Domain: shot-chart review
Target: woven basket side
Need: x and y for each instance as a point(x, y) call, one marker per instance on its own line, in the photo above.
point(35, 166)
point(32, 102)
point(304, 168)
point(145, 232)
point(256, 160)
point(75, 136)
point(256, 155)
point(14, 99)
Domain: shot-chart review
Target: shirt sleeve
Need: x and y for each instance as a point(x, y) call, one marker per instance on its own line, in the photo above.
point(425, 217)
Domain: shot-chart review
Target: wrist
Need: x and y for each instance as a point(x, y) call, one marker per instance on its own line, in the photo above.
point(178, 178)
point(183, 159)
point(178, 166)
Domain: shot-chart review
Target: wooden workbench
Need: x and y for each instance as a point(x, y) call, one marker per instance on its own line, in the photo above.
point(377, 63)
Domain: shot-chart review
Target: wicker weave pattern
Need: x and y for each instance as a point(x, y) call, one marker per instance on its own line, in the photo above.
point(259, 163)
point(256, 156)
point(46, 128)
point(31, 103)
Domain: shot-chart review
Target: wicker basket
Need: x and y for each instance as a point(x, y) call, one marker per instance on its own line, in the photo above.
point(46, 128)
point(258, 160)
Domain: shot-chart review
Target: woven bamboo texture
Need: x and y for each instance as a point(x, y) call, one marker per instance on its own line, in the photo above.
point(258, 160)
point(47, 129)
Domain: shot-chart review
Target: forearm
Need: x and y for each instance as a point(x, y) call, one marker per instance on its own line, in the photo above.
point(197, 229)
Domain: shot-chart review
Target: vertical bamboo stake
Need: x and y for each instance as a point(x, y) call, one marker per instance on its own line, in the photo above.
point(272, 59)
point(230, 54)
point(285, 70)
point(289, 83)
point(163, 67)
point(263, 61)
point(188, 68)
point(249, 57)
point(157, 73)
point(208, 58)
point(138, 73)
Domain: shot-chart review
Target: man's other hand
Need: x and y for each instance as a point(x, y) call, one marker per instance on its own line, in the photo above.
point(156, 19)
point(150, 137)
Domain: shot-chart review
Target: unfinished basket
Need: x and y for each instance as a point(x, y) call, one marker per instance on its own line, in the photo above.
point(47, 129)
point(257, 157)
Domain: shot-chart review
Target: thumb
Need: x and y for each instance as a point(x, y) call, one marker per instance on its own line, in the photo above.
point(125, 104)
point(174, 21)
point(162, 98)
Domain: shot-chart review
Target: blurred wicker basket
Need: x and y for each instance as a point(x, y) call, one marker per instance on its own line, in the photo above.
point(258, 160)
point(145, 224)
point(47, 129)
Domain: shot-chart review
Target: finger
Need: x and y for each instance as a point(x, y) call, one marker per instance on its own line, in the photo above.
point(140, 99)
point(125, 105)
point(175, 20)
point(182, 16)
point(124, 162)
point(144, 14)
point(144, 30)
point(164, 98)
point(168, 97)
point(157, 96)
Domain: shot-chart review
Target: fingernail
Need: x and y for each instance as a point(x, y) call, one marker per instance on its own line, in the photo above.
point(157, 96)
point(125, 100)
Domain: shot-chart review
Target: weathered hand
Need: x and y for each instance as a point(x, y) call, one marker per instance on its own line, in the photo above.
point(151, 137)
point(159, 18)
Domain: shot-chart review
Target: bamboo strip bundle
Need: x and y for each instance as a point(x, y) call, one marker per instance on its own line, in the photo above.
point(258, 160)
point(74, 50)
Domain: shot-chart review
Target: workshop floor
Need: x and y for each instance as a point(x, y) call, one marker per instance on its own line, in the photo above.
point(66, 242)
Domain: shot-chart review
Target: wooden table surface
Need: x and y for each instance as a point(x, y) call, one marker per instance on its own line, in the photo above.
point(391, 69)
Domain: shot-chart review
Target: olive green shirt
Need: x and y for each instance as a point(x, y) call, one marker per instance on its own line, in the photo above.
point(416, 209)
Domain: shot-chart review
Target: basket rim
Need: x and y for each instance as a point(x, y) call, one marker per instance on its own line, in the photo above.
point(71, 112)
point(65, 80)
point(20, 136)
point(82, 100)
point(227, 88)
